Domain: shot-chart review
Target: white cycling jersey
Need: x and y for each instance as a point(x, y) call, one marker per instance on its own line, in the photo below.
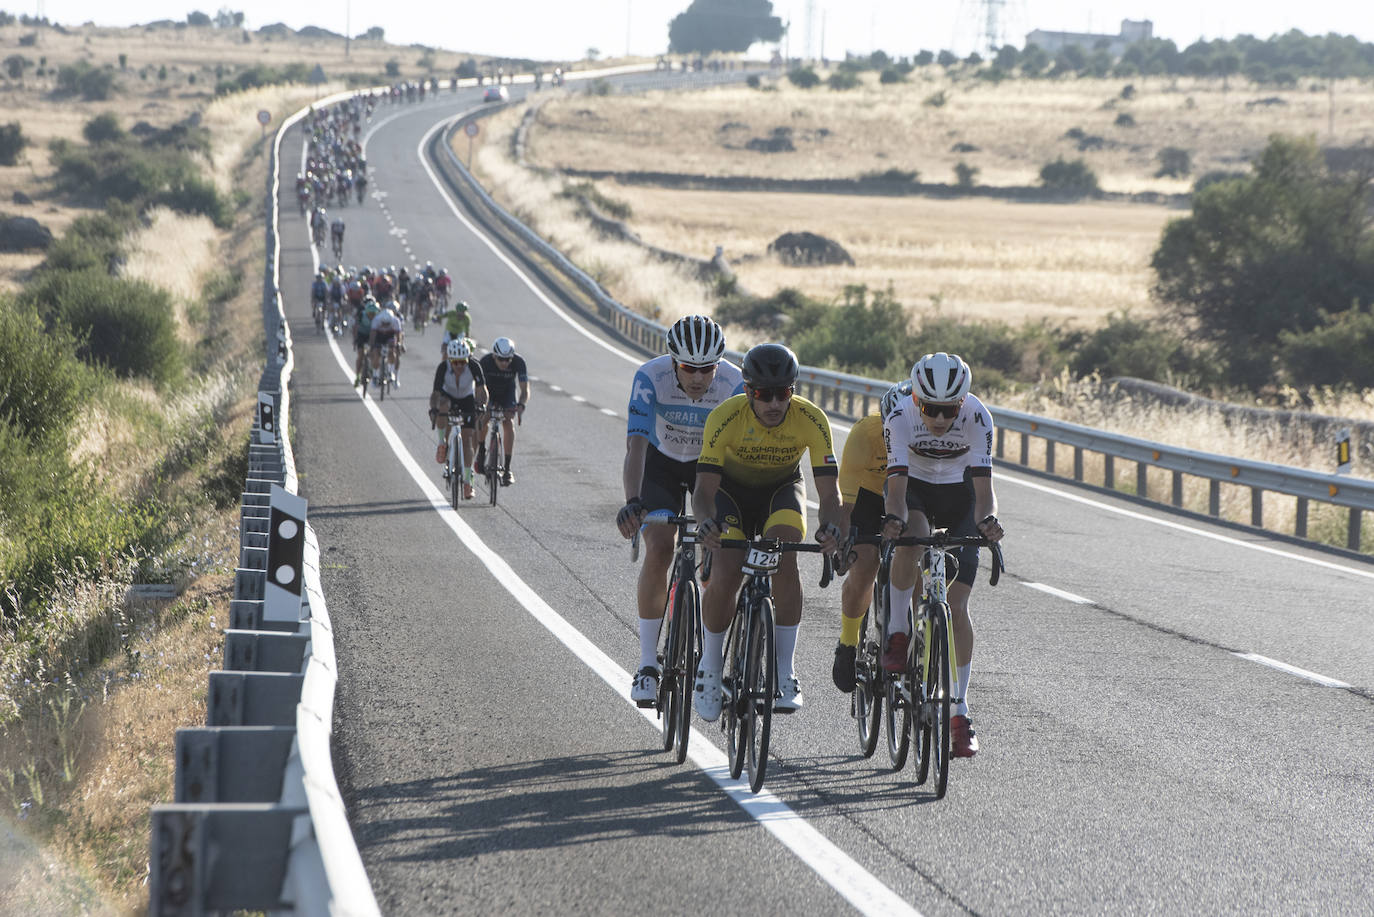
point(661, 412)
point(913, 449)
point(387, 320)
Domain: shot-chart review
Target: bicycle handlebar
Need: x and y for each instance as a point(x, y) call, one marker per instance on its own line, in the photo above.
point(680, 521)
point(939, 539)
point(800, 547)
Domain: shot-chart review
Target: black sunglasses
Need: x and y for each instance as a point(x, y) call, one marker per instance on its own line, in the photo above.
point(692, 368)
point(781, 393)
point(941, 410)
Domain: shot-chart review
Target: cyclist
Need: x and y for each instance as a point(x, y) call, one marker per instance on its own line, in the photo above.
point(319, 293)
point(863, 468)
point(403, 288)
point(442, 284)
point(388, 331)
point(336, 234)
point(362, 335)
point(749, 482)
point(508, 384)
point(458, 385)
point(670, 399)
point(457, 323)
point(318, 221)
point(939, 474)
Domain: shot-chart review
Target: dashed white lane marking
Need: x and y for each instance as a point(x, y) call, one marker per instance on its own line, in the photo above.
point(608, 412)
point(1067, 596)
point(579, 399)
point(1293, 670)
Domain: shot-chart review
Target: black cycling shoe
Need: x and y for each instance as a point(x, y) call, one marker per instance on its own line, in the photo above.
point(842, 673)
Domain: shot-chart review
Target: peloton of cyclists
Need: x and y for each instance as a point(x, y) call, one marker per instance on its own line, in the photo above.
point(508, 386)
point(671, 398)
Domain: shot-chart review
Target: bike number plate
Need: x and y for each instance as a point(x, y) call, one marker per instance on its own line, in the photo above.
point(762, 561)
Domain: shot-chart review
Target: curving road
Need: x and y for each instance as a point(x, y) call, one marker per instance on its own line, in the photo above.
point(1134, 760)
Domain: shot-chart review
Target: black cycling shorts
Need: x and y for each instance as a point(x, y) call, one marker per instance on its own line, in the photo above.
point(948, 506)
point(465, 407)
point(867, 514)
point(666, 482)
point(750, 511)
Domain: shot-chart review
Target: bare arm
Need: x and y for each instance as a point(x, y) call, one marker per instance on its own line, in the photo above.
point(704, 503)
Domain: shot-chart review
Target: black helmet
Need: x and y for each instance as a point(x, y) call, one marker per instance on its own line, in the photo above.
point(769, 366)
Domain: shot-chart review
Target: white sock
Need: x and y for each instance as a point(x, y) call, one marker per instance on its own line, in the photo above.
point(961, 691)
point(712, 649)
point(898, 623)
point(648, 642)
point(784, 645)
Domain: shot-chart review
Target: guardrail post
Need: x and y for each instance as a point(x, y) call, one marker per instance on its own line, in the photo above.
point(1300, 524)
point(1256, 507)
point(1001, 442)
point(1109, 471)
point(1142, 480)
point(1025, 449)
point(1352, 538)
point(1049, 455)
point(1178, 488)
point(1078, 463)
point(1214, 499)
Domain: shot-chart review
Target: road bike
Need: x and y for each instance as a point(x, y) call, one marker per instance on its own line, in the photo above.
point(318, 309)
point(336, 322)
point(496, 449)
point(679, 635)
point(336, 240)
point(918, 698)
point(456, 468)
point(750, 679)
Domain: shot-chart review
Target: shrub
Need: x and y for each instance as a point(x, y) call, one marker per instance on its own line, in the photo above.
point(936, 100)
point(892, 75)
point(1071, 177)
point(860, 335)
point(93, 84)
point(1339, 353)
point(91, 241)
point(1216, 177)
point(41, 385)
point(393, 67)
point(14, 66)
point(124, 325)
point(965, 175)
point(103, 128)
point(753, 81)
point(843, 79)
point(1125, 119)
point(12, 143)
point(804, 78)
point(894, 175)
point(1128, 91)
point(1173, 163)
point(1127, 346)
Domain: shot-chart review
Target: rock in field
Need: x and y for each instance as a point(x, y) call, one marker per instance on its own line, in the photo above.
point(18, 234)
point(807, 248)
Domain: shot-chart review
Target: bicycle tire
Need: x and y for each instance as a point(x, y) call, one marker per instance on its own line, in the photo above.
point(734, 728)
point(762, 683)
point(493, 468)
point(688, 648)
point(941, 689)
point(898, 713)
point(866, 701)
point(920, 726)
point(668, 660)
point(455, 478)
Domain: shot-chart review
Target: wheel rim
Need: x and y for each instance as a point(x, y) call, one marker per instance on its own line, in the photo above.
point(762, 689)
point(688, 614)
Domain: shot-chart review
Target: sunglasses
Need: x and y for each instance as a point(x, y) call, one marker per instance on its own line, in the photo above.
point(457, 362)
point(940, 410)
point(692, 369)
point(781, 393)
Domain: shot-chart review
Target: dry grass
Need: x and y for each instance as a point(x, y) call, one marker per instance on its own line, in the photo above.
point(1017, 127)
point(176, 252)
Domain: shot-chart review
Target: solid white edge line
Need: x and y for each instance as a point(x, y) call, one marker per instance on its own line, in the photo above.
point(835, 867)
point(1060, 593)
point(1293, 670)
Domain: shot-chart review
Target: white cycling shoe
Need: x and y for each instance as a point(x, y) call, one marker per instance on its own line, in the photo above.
point(708, 699)
point(644, 690)
point(789, 699)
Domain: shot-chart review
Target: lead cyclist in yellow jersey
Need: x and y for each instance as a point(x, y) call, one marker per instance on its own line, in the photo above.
point(748, 483)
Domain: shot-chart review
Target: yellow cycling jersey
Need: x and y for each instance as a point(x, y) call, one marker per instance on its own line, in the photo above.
point(864, 463)
point(735, 444)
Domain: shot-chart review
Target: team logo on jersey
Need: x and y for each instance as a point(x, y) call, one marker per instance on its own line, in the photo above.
point(641, 392)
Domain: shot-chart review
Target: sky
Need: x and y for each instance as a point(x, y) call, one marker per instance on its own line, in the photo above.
point(566, 29)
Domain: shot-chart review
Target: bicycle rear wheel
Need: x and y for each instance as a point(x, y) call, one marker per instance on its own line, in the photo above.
point(898, 714)
point(668, 659)
point(866, 702)
point(939, 694)
point(733, 686)
point(493, 468)
point(762, 681)
point(688, 621)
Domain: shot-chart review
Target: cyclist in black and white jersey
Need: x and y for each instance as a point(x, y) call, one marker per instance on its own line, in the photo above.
point(670, 399)
point(939, 467)
point(508, 383)
point(458, 384)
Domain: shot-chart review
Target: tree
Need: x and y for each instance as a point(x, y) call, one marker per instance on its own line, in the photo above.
point(12, 143)
point(947, 59)
point(723, 25)
point(1282, 250)
point(197, 18)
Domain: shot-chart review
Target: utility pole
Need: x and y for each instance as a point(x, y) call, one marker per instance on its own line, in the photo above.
point(348, 24)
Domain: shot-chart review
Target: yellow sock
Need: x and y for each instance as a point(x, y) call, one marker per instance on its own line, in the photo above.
point(849, 631)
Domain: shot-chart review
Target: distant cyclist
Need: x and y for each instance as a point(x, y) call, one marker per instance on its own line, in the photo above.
point(387, 334)
point(459, 388)
point(362, 336)
point(457, 323)
point(508, 385)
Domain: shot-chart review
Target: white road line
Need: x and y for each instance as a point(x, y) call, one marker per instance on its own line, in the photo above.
point(1067, 596)
point(1180, 527)
point(579, 399)
point(1292, 670)
point(609, 413)
point(835, 867)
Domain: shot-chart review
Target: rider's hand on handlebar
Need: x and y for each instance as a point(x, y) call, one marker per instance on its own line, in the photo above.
point(990, 528)
point(708, 533)
point(829, 537)
point(630, 516)
point(892, 527)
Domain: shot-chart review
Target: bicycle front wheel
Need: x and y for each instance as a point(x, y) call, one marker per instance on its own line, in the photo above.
point(762, 679)
point(866, 702)
point(899, 699)
point(939, 694)
point(732, 685)
point(493, 468)
point(686, 620)
point(455, 465)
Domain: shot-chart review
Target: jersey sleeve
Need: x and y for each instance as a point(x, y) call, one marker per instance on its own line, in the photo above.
point(521, 372)
point(820, 443)
point(477, 377)
point(714, 436)
point(642, 406)
point(897, 434)
point(439, 377)
point(980, 443)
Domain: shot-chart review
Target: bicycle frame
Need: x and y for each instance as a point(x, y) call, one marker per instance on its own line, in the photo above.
point(496, 417)
point(679, 635)
point(457, 472)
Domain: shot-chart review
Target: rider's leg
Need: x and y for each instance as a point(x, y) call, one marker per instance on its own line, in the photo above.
point(653, 589)
point(958, 594)
point(508, 429)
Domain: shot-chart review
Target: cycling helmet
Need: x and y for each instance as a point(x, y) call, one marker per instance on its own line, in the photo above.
point(444, 272)
point(696, 339)
point(460, 306)
point(457, 349)
point(394, 306)
point(370, 306)
point(941, 377)
point(503, 348)
point(769, 365)
point(894, 397)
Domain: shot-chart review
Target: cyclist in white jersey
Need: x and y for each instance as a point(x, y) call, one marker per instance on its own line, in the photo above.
point(670, 399)
point(939, 467)
point(387, 328)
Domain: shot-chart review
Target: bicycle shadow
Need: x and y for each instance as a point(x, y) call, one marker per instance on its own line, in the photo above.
point(541, 804)
point(842, 782)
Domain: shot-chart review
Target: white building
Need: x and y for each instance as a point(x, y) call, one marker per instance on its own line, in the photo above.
point(1116, 45)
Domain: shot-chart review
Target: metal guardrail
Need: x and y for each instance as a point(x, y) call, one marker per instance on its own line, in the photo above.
point(853, 396)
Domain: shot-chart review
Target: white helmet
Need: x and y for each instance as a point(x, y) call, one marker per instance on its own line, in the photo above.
point(696, 339)
point(892, 399)
point(941, 377)
point(458, 349)
point(503, 348)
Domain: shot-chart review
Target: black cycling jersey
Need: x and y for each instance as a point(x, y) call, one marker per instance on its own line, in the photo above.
point(501, 383)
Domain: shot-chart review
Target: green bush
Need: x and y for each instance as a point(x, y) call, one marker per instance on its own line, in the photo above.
point(965, 175)
point(41, 384)
point(894, 175)
point(1339, 353)
point(103, 128)
point(393, 67)
point(91, 242)
point(997, 351)
point(1174, 162)
point(936, 99)
point(1216, 177)
point(196, 195)
point(804, 78)
point(14, 66)
point(12, 143)
point(1073, 177)
point(843, 79)
point(1127, 346)
point(123, 325)
point(892, 75)
point(860, 335)
point(1125, 119)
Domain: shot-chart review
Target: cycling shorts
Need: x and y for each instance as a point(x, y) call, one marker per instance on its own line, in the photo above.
point(948, 506)
point(465, 407)
point(666, 482)
point(384, 338)
point(360, 339)
point(867, 513)
point(748, 511)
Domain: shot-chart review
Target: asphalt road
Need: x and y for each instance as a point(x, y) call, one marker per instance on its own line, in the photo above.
point(1132, 761)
